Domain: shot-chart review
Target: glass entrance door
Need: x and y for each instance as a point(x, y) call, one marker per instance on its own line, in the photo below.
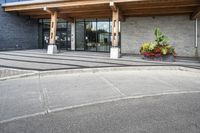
point(63, 35)
point(62, 39)
point(93, 35)
point(46, 35)
point(90, 36)
point(103, 36)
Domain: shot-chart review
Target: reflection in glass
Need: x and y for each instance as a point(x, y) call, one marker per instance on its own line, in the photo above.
point(103, 36)
point(80, 37)
point(61, 39)
point(90, 37)
point(62, 36)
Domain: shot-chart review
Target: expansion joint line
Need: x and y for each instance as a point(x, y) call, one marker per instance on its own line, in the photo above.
point(111, 85)
point(44, 96)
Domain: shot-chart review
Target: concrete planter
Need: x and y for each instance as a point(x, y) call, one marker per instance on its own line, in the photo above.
point(166, 58)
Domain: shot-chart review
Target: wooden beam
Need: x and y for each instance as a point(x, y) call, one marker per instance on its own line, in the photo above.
point(64, 4)
point(113, 6)
point(48, 10)
point(104, 8)
point(65, 17)
point(62, 16)
point(196, 14)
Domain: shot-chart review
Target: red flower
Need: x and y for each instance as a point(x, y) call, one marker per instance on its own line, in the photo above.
point(152, 54)
point(146, 54)
point(157, 50)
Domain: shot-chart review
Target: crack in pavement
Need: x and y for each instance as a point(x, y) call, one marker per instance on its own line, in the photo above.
point(44, 96)
point(116, 89)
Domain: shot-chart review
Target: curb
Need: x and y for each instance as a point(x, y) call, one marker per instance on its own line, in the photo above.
point(113, 69)
point(97, 70)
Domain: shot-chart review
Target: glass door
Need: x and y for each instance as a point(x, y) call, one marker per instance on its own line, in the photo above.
point(63, 35)
point(46, 35)
point(61, 39)
point(103, 36)
point(90, 36)
point(80, 36)
point(93, 35)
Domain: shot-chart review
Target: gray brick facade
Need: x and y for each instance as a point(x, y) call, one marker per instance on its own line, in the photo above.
point(17, 32)
point(180, 30)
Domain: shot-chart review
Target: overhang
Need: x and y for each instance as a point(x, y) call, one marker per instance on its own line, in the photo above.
point(101, 8)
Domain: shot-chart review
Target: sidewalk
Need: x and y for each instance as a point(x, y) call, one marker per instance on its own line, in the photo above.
point(38, 60)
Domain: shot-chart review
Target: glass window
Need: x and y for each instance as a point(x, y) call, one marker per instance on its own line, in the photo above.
point(90, 20)
point(93, 35)
point(62, 25)
point(63, 36)
point(103, 19)
point(103, 36)
point(90, 37)
point(78, 20)
point(46, 25)
point(80, 36)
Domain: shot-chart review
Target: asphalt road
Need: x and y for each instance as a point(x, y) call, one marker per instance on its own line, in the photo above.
point(138, 101)
point(179, 113)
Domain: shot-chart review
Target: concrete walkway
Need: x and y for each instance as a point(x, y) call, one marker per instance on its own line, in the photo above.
point(38, 95)
point(38, 60)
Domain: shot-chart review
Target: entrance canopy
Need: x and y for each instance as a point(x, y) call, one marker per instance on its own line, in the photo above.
point(116, 9)
point(70, 9)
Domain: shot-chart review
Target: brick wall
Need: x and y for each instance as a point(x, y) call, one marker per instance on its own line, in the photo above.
point(180, 30)
point(17, 32)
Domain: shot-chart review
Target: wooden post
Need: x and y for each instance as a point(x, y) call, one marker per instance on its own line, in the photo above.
point(115, 50)
point(53, 28)
point(52, 48)
point(115, 28)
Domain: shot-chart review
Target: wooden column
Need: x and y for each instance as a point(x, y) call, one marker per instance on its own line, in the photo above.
point(53, 28)
point(115, 27)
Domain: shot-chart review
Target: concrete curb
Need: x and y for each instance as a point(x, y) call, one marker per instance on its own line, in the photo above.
point(17, 73)
point(108, 69)
point(18, 76)
point(96, 70)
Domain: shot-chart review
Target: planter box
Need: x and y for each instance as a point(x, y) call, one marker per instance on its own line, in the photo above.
point(167, 58)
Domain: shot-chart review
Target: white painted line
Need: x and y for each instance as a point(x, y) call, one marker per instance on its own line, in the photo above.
point(96, 103)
